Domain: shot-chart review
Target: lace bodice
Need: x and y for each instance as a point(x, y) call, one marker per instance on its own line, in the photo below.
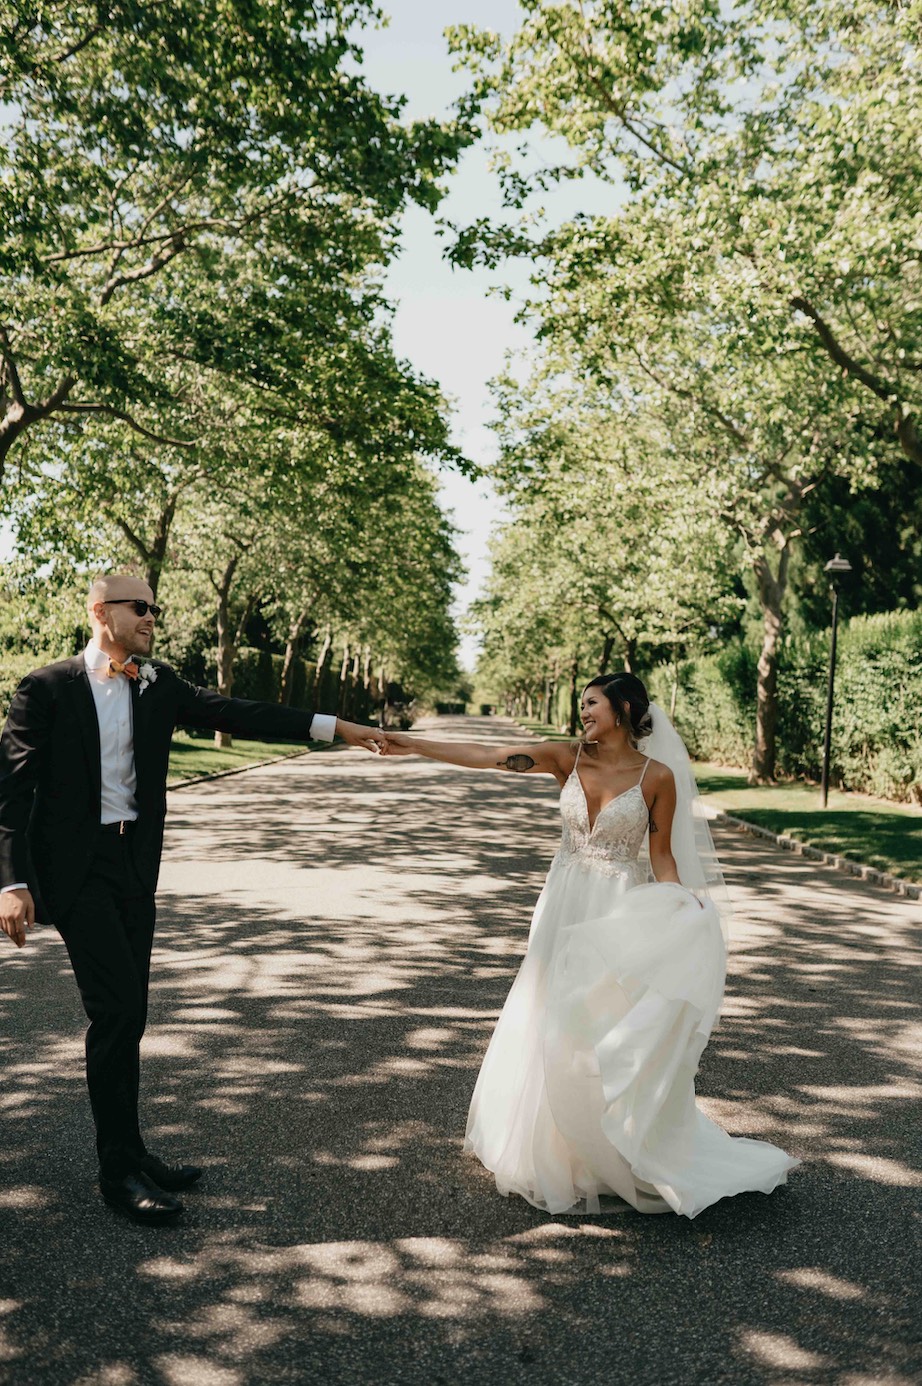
point(612, 845)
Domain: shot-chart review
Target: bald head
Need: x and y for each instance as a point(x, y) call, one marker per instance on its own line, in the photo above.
point(115, 586)
point(118, 629)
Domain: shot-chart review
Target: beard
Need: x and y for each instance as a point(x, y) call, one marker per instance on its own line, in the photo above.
point(139, 644)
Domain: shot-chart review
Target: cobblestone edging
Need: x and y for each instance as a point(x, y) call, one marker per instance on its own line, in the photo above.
point(803, 849)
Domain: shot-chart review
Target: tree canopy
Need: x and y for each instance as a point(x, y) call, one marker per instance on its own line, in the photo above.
point(171, 209)
point(755, 288)
point(197, 376)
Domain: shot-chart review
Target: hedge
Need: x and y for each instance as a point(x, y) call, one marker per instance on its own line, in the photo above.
point(877, 724)
point(13, 669)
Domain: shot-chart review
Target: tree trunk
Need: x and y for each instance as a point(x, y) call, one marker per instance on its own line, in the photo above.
point(365, 683)
point(226, 645)
point(675, 683)
point(771, 588)
point(354, 684)
point(153, 555)
point(156, 554)
point(550, 688)
point(292, 651)
point(630, 654)
point(607, 647)
point(18, 414)
point(323, 659)
point(574, 695)
point(343, 681)
point(229, 640)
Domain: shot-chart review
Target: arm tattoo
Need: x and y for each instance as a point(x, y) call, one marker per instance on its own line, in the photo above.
point(520, 763)
point(653, 827)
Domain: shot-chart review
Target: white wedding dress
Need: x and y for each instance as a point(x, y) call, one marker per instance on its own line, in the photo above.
point(587, 1088)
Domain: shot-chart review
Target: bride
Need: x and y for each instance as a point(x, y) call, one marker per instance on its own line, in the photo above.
point(587, 1088)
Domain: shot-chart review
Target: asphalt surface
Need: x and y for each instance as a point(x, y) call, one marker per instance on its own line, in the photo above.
point(337, 934)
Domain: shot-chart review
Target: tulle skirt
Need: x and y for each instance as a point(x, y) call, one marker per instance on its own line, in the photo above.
point(586, 1094)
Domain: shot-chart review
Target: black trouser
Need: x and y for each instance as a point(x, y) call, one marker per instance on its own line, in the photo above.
point(108, 933)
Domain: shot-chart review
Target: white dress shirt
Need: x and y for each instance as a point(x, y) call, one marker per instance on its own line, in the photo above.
point(118, 779)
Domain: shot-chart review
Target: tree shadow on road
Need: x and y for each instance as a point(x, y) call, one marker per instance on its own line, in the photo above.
point(317, 1026)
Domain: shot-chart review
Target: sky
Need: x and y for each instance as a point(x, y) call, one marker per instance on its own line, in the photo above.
point(447, 322)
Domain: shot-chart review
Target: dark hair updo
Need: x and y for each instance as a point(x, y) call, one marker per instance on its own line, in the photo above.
point(626, 690)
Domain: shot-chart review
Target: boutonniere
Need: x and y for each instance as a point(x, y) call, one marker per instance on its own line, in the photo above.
point(147, 675)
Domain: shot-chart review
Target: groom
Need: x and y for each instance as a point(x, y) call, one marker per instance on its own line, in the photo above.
point(83, 769)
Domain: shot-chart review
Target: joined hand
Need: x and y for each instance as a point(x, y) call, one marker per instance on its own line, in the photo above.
point(367, 738)
point(397, 744)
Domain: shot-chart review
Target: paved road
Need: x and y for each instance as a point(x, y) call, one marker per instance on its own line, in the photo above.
point(336, 938)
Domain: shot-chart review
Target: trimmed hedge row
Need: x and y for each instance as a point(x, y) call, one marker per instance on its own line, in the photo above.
point(877, 722)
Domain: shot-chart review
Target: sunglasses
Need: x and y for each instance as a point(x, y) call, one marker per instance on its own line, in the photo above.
point(141, 608)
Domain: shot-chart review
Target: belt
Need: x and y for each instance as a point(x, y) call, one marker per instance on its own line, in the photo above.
point(119, 829)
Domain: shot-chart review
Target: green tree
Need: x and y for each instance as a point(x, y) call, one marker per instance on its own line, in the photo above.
point(165, 206)
point(758, 285)
point(613, 551)
point(786, 133)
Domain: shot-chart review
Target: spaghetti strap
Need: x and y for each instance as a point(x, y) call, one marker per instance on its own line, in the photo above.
point(579, 747)
point(643, 771)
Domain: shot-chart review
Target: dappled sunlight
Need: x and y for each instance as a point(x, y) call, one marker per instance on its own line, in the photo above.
point(831, 1285)
point(336, 940)
point(781, 1351)
point(877, 1169)
point(432, 1277)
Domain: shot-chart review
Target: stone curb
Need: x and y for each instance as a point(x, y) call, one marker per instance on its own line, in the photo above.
point(910, 889)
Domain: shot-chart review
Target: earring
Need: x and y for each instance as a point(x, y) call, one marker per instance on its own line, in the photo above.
point(617, 721)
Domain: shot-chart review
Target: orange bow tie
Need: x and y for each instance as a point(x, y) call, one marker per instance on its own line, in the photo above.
point(130, 670)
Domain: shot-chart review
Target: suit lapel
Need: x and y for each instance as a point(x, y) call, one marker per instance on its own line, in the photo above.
point(138, 718)
point(89, 722)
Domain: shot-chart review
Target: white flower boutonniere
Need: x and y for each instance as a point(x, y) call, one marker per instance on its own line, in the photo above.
point(147, 675)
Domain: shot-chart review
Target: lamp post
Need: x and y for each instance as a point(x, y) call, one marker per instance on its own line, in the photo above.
point(836, 568)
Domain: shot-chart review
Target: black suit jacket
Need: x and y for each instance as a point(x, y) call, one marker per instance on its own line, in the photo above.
point(50, 790)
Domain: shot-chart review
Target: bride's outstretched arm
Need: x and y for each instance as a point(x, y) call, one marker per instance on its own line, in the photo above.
point(537, 757)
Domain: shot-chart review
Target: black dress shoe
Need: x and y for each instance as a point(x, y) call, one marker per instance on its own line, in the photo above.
point(172, 1177)
point(138, 1196)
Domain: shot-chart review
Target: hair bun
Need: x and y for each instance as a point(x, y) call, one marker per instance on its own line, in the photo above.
point(643, 725)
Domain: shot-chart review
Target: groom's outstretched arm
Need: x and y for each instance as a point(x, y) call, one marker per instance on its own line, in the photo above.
point(204, 709)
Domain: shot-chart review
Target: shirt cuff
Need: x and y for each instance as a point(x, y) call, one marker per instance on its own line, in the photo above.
point(323, 727)
point(20, 885)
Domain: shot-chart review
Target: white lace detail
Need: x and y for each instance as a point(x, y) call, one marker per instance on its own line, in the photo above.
point(612, 845)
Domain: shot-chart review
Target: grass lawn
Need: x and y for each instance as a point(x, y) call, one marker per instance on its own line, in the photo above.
point(192, 755)
point(883, 835)
point(879, 834)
